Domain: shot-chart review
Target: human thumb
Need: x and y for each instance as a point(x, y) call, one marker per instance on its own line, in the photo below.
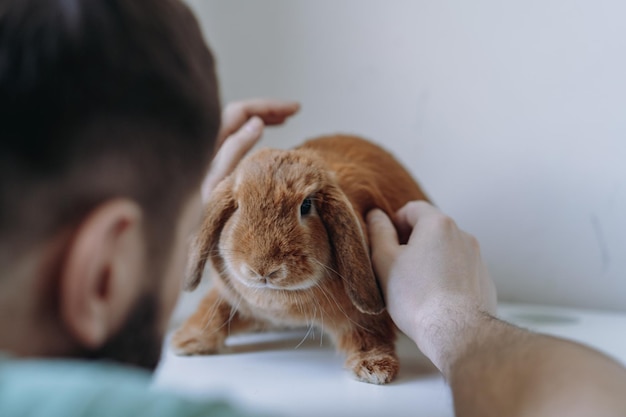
point(383, 241)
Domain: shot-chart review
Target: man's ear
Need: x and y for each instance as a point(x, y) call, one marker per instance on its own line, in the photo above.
point(102, 274)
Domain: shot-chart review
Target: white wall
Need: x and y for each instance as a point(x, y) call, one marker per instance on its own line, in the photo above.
point(512, 114)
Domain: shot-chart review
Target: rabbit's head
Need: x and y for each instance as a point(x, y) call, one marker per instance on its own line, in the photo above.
point(280, 222)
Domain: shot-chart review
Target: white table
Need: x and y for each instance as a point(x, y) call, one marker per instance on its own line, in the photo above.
point(279, 373)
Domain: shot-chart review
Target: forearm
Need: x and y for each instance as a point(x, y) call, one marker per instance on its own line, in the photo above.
point(506, 371)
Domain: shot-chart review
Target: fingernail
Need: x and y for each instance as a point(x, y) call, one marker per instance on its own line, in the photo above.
point(254, 125)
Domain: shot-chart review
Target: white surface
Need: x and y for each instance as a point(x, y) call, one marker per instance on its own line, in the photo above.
point(279, 373)
point(511, 113)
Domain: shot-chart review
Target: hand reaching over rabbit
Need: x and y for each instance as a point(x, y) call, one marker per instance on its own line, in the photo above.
point(242, 127)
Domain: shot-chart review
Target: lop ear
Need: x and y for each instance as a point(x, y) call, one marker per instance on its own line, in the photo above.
point(218, 210)
point(350, 250)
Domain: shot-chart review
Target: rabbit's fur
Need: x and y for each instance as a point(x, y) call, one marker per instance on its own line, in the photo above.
point(277, 266)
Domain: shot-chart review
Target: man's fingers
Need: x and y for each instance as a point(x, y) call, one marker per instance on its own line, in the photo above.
point(418, 214)
point(270, 109)
point(381, 229)
point(247, 136)
point(271, 112)
point(242, 127)
point(409, 215)
point(383, 241)
point(233, 150)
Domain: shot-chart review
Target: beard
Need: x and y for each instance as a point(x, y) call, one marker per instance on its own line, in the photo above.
point(138, 341)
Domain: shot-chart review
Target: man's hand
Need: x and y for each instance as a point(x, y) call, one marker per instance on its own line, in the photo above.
point(436, 281)
point(439, 293)
point(242, 127)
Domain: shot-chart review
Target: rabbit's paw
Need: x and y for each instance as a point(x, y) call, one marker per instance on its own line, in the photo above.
point(374, 368)
point(192, 340)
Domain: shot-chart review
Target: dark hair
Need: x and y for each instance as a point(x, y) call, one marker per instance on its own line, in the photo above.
point(100, 99)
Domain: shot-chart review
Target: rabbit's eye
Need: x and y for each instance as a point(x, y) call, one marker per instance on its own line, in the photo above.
point(305, 207)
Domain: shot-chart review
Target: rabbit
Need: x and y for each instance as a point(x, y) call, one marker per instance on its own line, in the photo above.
point(286, 233)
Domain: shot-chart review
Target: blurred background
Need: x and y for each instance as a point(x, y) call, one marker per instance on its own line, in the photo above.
point(512, 115)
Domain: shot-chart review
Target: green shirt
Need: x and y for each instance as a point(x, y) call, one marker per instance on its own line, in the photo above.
point(72, 388)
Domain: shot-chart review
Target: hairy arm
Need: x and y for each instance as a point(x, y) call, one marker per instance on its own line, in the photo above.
point(438, 291)
point(497, 369)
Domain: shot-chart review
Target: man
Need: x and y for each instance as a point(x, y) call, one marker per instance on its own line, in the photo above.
point(109, 116)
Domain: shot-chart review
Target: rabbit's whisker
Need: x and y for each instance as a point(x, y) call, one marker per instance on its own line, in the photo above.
point(328, 294)
point(305, 336)
point(323, 313)
point(208, 317)
point(310, 329)
point(233, 311)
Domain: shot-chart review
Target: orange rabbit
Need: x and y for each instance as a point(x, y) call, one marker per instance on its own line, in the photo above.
point(286, 233)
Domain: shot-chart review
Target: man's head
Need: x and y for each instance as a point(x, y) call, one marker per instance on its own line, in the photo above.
point(108, 114)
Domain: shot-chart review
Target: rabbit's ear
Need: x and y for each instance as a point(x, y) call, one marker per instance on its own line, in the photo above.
point(218, 210)
point(350, 250)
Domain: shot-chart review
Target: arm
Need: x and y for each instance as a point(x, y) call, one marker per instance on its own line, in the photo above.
point(447, 308)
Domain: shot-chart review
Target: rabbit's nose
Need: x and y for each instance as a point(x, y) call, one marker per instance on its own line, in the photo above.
point(263, 274)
